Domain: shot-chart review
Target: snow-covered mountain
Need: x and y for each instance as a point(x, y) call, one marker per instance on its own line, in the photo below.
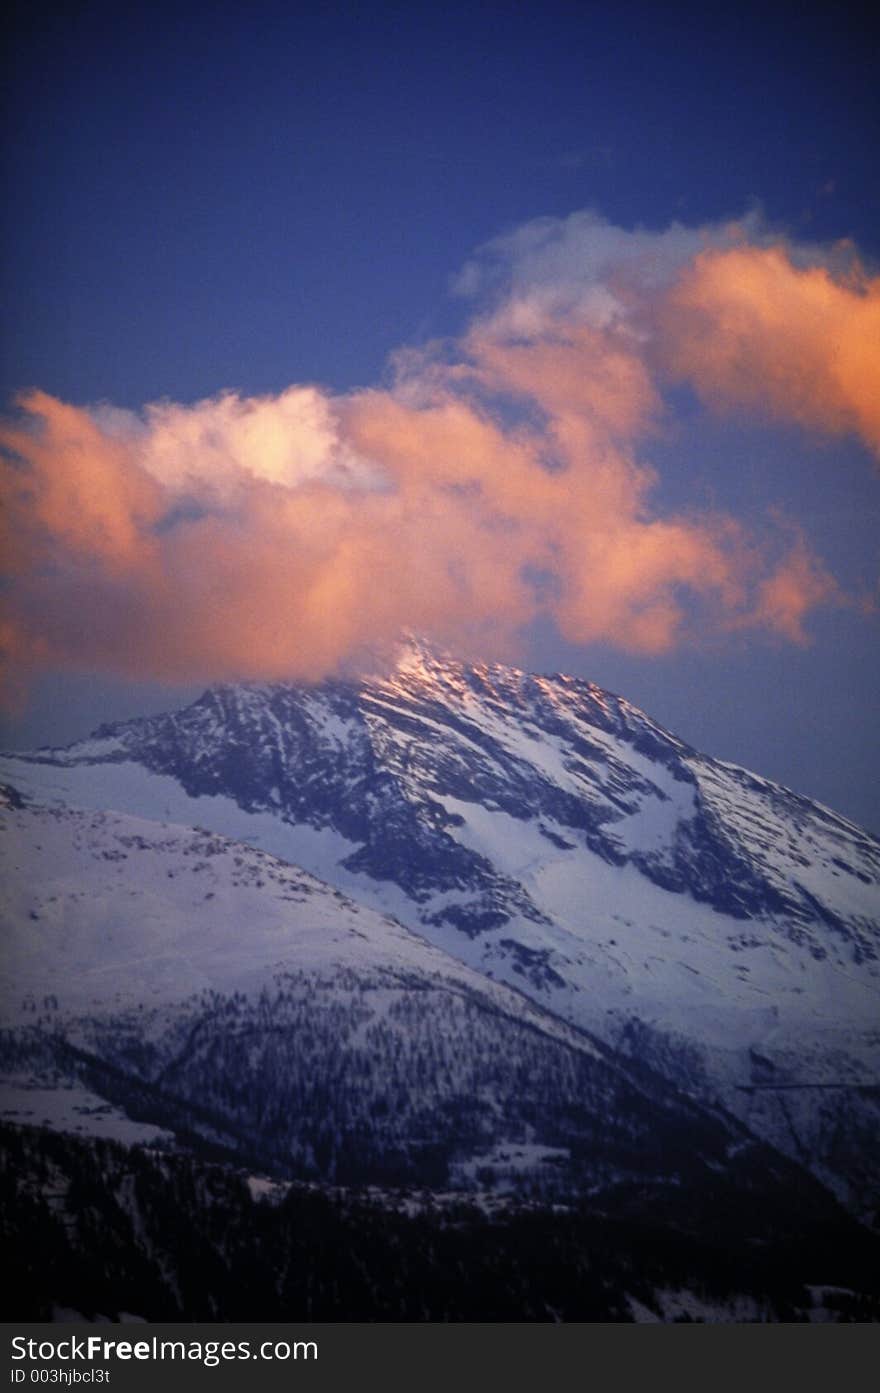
point(548, 835)
point(165, 980)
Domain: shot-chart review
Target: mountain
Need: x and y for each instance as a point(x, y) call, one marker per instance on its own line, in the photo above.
point(688, 916)
point(310, 1096)
point(206, 989)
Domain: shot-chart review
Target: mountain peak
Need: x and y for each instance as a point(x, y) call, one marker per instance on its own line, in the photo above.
point(549, 835)
point(417, 655)
point(420, 655)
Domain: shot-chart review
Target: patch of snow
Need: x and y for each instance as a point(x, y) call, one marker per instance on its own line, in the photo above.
point(71, 1107)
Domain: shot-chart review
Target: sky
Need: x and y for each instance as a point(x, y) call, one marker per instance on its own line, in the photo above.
point(551, 331)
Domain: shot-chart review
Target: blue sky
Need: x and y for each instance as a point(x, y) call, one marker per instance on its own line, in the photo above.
point(215, 197)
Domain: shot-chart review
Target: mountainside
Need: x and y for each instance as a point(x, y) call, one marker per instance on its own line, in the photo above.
point(206, 989)
point(197, 999)
point(702, 920)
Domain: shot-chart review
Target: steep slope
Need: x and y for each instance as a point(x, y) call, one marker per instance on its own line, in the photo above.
point(552, 836)
point(206, 988)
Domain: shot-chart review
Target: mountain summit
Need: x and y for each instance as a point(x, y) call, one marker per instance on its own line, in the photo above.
point(551, 836)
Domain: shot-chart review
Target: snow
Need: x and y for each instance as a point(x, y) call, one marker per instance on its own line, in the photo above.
point(630, 934)
point(809, 852)
point(265, 1191)
point(99, 907)
point(105, 912)
point(128, 787)
point(71, 1107)
point(622, 943)
point(622, 946)
point(509, 1162)
point(674, 1304)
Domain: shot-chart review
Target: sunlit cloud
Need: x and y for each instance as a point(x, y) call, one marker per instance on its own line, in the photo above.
point(498, 480)
point(750, 329)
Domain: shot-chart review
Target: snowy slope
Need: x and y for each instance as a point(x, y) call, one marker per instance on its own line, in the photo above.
point(163, 980)
point(100, 908)
point(550, 835)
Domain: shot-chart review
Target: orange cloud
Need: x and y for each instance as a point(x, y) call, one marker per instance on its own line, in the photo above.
point(68, 483)
point(751, 329)
point(791, 592)
point(277, 536)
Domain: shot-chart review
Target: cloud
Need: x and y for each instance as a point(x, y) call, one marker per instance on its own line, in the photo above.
point(791, 591)
point(581, 267)
point(499, 479)
point(223, 443)
point(751, 329)
point(751, 319)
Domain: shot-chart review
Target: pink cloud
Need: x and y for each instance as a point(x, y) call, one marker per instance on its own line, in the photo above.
point(493, 483)
point(751, 329)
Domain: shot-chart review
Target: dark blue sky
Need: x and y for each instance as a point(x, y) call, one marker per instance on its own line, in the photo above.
point(215, 195)
point(212, 196)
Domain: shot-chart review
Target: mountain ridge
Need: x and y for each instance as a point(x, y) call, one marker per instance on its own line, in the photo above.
point(553, 837)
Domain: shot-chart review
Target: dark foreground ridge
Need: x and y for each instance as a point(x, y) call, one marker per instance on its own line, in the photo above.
point(103, 1230)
